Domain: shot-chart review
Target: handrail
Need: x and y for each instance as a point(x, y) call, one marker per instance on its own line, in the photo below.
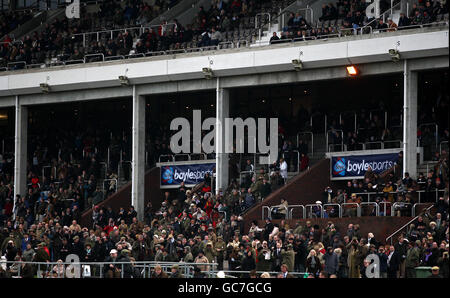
point(166, 155)
point(377, 207)
point(358, 208)
point(305, 9)
point(385, 207)
point(375, 142)
point(381, 15)
point(182, 155)
point(269, 215)
point(436, 133)
point(242, 173)
point(298, 158)
point(342, 138)
point(333, 204)
point(406, 225)
point(440, 146)
point(312, 140)
point(296, 206)
point(314, 205)
point(94, 55)
point(394, 141)
point(117, 57)
point(198, 154)
point(399, 204)
point(113, 179)
point(16, 63)
point(418, 204)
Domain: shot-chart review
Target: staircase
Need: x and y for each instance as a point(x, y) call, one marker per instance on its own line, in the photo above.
point(122, 198)
point(305, 188)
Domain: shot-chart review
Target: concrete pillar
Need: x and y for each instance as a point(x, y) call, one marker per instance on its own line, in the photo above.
point(138, 155)
point(410, 82)
point(20, 151)
point(222, 112)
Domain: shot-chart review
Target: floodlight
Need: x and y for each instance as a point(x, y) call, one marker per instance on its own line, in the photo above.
point(298, 64)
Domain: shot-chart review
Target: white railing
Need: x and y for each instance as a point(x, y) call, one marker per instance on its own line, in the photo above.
point(292, 207)
point(332, 205)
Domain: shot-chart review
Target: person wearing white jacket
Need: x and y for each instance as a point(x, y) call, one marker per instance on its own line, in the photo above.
point(283, 169)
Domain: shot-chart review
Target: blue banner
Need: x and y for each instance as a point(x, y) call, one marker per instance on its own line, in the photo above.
point(355, 166)
point(190, 174)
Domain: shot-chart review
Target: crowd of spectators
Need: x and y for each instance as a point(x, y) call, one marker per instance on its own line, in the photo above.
point(344, 16)
point(191, 226)
point(61, 40)
point(389, 188)
point(11, 20)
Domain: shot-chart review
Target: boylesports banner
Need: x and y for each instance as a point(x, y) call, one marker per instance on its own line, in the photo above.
point(355, 166)
point(190, 174)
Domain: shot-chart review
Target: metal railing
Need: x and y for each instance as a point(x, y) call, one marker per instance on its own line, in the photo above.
point(412, 192)
point(312, 139)
point(377, 207)
point(291, 210)
point(110, 33)
point(246, 173)
point(182, 155)
point(405, 226)
point(311, 206)
point(105, 181)
point(342, 139)
point(399, 207)
point(420, 204)
point(440, 146)
point(358, 209)
point(332, 205)
point(436, 132)
point(385, 209)
point(77, 269)
point(269, 215)
point(166, 155)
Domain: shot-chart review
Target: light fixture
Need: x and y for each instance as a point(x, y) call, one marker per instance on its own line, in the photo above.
point(395, 55)
point(207, 72)
point(352, 70)
point(124, 80)
point(45, 87)
point(298, 64)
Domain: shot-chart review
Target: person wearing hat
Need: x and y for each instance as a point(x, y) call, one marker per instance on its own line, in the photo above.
point(412, 258)
point(331, 261)
point(202, 259)
point(42, 254)
point(209, 251)
point(219, 250)
point(288, 257)
point(175, 272)
point(188, 258)
point(435, 272)
point(111, 269)
point(158, 272)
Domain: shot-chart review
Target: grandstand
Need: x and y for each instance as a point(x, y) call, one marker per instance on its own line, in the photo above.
point(88, 171)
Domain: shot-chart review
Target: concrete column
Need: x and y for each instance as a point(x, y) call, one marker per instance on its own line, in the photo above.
point(410, 82)
point(20, 151)
point(222, 112)
point(138, 154)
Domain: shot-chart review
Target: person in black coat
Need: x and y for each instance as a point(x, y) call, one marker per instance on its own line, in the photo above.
point(248, 263)
point(393, 263)
point(268, 228)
